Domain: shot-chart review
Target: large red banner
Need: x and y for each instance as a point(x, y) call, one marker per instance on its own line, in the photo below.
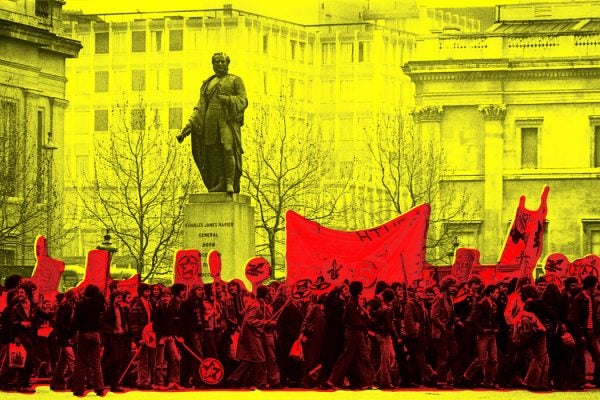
point(525, 239)
point(97, 269)
point(394, 251)
point(47, 272)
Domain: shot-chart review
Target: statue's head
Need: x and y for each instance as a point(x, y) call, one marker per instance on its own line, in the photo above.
point(220, 62)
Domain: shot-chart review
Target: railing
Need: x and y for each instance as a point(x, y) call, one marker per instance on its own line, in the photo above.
point(465, 47)
point(43, 8)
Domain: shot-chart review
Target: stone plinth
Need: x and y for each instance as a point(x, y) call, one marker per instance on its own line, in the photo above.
point(222, 222)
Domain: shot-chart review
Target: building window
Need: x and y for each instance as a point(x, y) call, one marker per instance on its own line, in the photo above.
point(346, 53)
point(119, 42)
point(176, 40)
point(101, 81)
point(7, 257)
point(591, 233)
point(328, 53)
point(156, 40)
point(138, 41)
point(175, 79)
point(138, 80)
point(8, 147)
point(596, 147)
point(101, 42)
point(138, 119)
point(175, 118)
point(364, 52)
point(529, 147)
point(81, 166)
point(293, 46)
point(101, 120)
point(265, 43)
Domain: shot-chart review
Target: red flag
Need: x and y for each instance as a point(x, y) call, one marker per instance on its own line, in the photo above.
point(525, 239)
point(257, 271)
point(394, 251)
point(188, 267)
point(47, 271)
point(97, 270)
point(464, 261)
point(585, 266)
point(129, 285)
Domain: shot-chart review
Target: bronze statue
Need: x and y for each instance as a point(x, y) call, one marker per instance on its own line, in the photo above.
point(215, 128)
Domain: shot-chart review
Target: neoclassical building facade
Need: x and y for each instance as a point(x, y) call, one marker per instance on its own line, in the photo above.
point(516, 108)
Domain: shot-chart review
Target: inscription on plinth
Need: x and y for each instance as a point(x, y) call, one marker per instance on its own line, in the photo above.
point(222, 222)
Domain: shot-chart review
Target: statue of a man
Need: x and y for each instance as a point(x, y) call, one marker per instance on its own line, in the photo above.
point(215, 128)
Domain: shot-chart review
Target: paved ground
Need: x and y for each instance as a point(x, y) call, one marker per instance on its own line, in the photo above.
point(43, 392)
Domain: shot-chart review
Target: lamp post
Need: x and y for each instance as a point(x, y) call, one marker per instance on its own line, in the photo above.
point(107, 246)
point(450, 254)
point(49, 147)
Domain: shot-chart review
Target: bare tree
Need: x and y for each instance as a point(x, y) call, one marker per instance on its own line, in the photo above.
point(411, 169)
point(287, 169)
point(139, 187)
point(28, 197)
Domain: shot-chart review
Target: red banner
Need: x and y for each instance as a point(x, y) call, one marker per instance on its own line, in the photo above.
point(129, 285)
point(394, 251)
point(97, 268)
point(464, 261)
point(188, 267)
point(525, 239)
point(47, 272)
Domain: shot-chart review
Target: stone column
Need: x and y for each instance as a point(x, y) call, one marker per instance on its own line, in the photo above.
point(494, 229)
point(428, 127)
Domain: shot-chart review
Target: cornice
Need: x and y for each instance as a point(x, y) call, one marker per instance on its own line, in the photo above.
point(428, 113)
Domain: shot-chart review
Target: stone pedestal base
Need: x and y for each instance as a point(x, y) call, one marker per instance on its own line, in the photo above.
point(222, 222)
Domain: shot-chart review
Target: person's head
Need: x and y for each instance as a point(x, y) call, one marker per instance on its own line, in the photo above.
point(529, 293)
point(552, 294)
point(420, 293)
point(356, 288)
point(429, 295)
point(69, 296)
point(387, 295)
point(491, 292)
point(475, 284)
point(144, 291)
point(400, 290)
point(156, 291)
point(197, 291)
point(12, 281)
point(116, 297)
point(448, 285)
point(503, 286)
point(220, 62)
point(570, 284)
point(589, 283)
point(166, 296)
point(178, 290)
point(541, 284)
point(93, 291)
point(262, 292)
point(380, 286)
point(233, 287)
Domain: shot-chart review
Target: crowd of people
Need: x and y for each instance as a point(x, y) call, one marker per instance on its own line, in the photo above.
point(510, 334)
